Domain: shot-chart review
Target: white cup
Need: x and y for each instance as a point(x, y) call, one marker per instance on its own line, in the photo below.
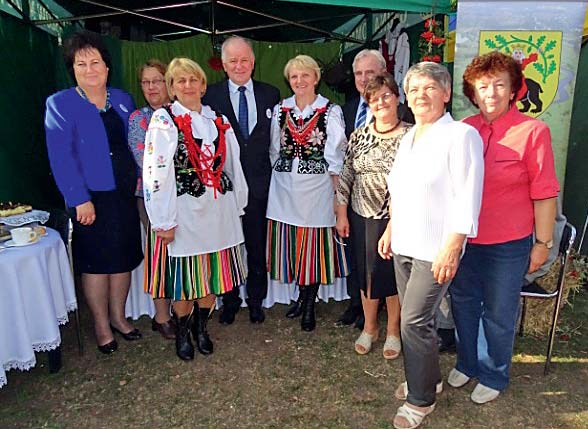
point(23, 235)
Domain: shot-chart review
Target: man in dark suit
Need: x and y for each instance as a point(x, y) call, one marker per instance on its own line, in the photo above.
point(248, 105)
point(366, 64)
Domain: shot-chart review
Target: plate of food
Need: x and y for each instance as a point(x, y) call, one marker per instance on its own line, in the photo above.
point(18, 214)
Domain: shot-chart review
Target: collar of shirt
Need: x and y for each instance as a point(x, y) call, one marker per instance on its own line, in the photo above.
point(234, 88)
point(500, 125)
point(319, 102)
point(445, 119)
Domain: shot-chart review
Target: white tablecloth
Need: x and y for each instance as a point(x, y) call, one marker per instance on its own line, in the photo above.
point(36, 293)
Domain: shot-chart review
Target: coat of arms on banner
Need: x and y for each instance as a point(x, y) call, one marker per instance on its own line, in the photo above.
point(539, 53)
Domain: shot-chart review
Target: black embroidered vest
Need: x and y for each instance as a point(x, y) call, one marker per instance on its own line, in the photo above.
point(311, 153)
point(187, 181)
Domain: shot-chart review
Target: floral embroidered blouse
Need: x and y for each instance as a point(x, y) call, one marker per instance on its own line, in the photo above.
point(138, 124)
point(207, 220)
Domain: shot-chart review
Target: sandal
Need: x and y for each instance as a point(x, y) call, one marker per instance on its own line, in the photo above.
point(401, 391)
point(392, 347)
point(412, 416)
point(364, 342)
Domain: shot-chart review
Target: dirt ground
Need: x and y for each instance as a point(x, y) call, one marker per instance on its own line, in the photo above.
point(276, 376)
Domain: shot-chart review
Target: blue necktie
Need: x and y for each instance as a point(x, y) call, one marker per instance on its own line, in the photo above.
point(360, 121)
point(243, 113)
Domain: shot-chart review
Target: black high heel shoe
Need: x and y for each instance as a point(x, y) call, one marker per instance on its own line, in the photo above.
point(132, 335)
point(108, 348)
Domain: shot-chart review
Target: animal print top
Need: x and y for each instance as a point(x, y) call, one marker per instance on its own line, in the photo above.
point(367, 163)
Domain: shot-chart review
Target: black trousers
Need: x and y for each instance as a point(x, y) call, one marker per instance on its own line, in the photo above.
point(255, 231)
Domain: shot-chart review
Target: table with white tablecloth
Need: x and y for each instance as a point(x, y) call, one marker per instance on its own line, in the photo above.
point(36, 293)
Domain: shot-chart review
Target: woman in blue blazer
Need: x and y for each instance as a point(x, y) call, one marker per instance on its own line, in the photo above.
point(94, 170)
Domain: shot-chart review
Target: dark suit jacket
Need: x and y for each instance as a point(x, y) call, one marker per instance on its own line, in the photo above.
point(255, 152)
point(349, 113)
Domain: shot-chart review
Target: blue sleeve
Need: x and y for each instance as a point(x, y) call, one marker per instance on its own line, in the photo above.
point(60, 135)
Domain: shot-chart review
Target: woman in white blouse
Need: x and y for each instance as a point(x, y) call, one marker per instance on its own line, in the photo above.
point(195, 193)
point(435, 194)
point(307, 150)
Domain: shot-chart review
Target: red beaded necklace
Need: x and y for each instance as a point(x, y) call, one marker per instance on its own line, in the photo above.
point(204, 161)
point(301, 131)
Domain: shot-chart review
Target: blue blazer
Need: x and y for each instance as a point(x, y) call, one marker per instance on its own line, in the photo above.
point(77, 144)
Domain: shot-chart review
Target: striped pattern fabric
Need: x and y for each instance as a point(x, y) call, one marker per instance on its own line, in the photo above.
point(305, 255)
point(360, 121)
point(191, 277)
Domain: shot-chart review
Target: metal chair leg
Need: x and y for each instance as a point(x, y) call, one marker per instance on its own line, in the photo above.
point(552, 333)
point(523, 313)
point(79, 332)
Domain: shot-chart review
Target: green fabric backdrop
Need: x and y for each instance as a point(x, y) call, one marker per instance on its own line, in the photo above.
point(30, 70)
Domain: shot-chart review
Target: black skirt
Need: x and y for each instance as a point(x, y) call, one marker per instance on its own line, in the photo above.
point(112, 244)
point(365, 234)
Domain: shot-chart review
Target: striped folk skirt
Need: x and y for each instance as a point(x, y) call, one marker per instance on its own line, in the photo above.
point(191, 277)
point(305, 255)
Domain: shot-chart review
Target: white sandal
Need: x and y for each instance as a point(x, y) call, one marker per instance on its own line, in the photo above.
point(365, 340)
point(392, 344)
point(413, 417)
point(401, 391)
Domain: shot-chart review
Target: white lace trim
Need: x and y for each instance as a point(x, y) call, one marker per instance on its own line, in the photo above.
point(3, 381)
point(20, 365)
point(71, 306)
point(63, 320)
point(45, 347)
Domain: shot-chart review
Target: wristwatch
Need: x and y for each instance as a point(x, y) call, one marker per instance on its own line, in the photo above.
point(548, 244)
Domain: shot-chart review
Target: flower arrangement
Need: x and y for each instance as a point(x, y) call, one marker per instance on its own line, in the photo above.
point(431, 42)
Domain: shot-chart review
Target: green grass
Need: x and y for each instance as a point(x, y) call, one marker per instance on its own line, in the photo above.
point(276, 376)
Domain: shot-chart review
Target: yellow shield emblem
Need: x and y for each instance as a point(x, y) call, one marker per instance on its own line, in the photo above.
point(539, 53)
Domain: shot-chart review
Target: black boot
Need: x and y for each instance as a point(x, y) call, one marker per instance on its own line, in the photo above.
point(295, 309)
point(308, 321)
point(184, 347)
point(199, 331)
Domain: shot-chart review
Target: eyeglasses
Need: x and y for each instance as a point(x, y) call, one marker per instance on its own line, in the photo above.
point(154, 82)
point(384, 98)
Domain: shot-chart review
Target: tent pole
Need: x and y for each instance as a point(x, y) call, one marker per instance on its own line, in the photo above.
point(120, 11)
point(282, 24)
point(16, 8)
point(104, 14)
point(296, 24)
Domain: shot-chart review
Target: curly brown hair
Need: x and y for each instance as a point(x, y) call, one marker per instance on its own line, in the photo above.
point(488, 65)
point(377, 82)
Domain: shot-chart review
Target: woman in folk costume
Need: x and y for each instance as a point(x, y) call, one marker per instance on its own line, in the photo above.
point(307, 150)
point(195, 193)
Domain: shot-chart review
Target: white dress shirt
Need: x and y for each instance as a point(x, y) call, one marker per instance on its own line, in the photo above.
point(205, 224)
point(435, 188)
point(251, 106)
point(306, 199)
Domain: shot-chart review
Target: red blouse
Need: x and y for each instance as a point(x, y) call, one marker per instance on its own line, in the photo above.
point(518, 168)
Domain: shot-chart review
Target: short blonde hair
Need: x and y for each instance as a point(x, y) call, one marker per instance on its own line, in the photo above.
point(182, 64)
point(302, 62)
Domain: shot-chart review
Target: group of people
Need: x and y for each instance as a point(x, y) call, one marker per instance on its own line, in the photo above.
point(231, 183)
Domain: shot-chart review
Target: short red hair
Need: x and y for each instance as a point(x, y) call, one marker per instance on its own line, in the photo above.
point(489, 65)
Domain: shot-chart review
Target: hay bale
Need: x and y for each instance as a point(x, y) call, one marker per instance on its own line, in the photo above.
point(540, 311)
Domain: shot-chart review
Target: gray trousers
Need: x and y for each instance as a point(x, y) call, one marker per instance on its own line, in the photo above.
point(420, 295)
